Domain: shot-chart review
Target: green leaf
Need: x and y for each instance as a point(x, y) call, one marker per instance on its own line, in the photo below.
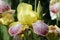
point(4, 31)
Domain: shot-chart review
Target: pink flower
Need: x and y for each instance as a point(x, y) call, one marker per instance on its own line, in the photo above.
point(3, 6)
point(16, 29)
point(40, 28)
point(54, 10)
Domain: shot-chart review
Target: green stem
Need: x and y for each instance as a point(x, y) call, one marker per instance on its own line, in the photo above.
point(26, 35)
point(56, 22)
point(39, 38)
point(34, 36)
point(57, 15)
point(21, 1)
point(57, 19)
point(35, 5)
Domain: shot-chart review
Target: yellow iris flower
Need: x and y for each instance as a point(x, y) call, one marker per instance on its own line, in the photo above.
point(25, 14)
point(7, 17)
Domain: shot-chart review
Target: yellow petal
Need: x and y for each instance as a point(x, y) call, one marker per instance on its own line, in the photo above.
point(25, 14)
point(6, 21)
point(7, 17)
point(24, 6)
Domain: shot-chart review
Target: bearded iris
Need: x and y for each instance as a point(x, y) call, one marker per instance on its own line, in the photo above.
point(54, 10)
point(6, 13)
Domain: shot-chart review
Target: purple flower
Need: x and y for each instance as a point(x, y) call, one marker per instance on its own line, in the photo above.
point(16, 29)
point(3, 6)
point(40, 28)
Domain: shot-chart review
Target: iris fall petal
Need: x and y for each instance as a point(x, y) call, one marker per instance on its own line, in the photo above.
point(15, 29)
point(40, 28)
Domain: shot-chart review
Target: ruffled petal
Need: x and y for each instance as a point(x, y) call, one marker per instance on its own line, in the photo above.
point(40, 28)
point(16, 29)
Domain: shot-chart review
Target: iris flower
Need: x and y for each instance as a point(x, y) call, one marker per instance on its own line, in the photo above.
point(26, 17)
point(54, 30)
point(4, 6)
point(6, 13)
point(7, 17)
point(55, 10)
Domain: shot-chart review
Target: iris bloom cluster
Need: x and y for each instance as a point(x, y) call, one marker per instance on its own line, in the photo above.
point(26, 17)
